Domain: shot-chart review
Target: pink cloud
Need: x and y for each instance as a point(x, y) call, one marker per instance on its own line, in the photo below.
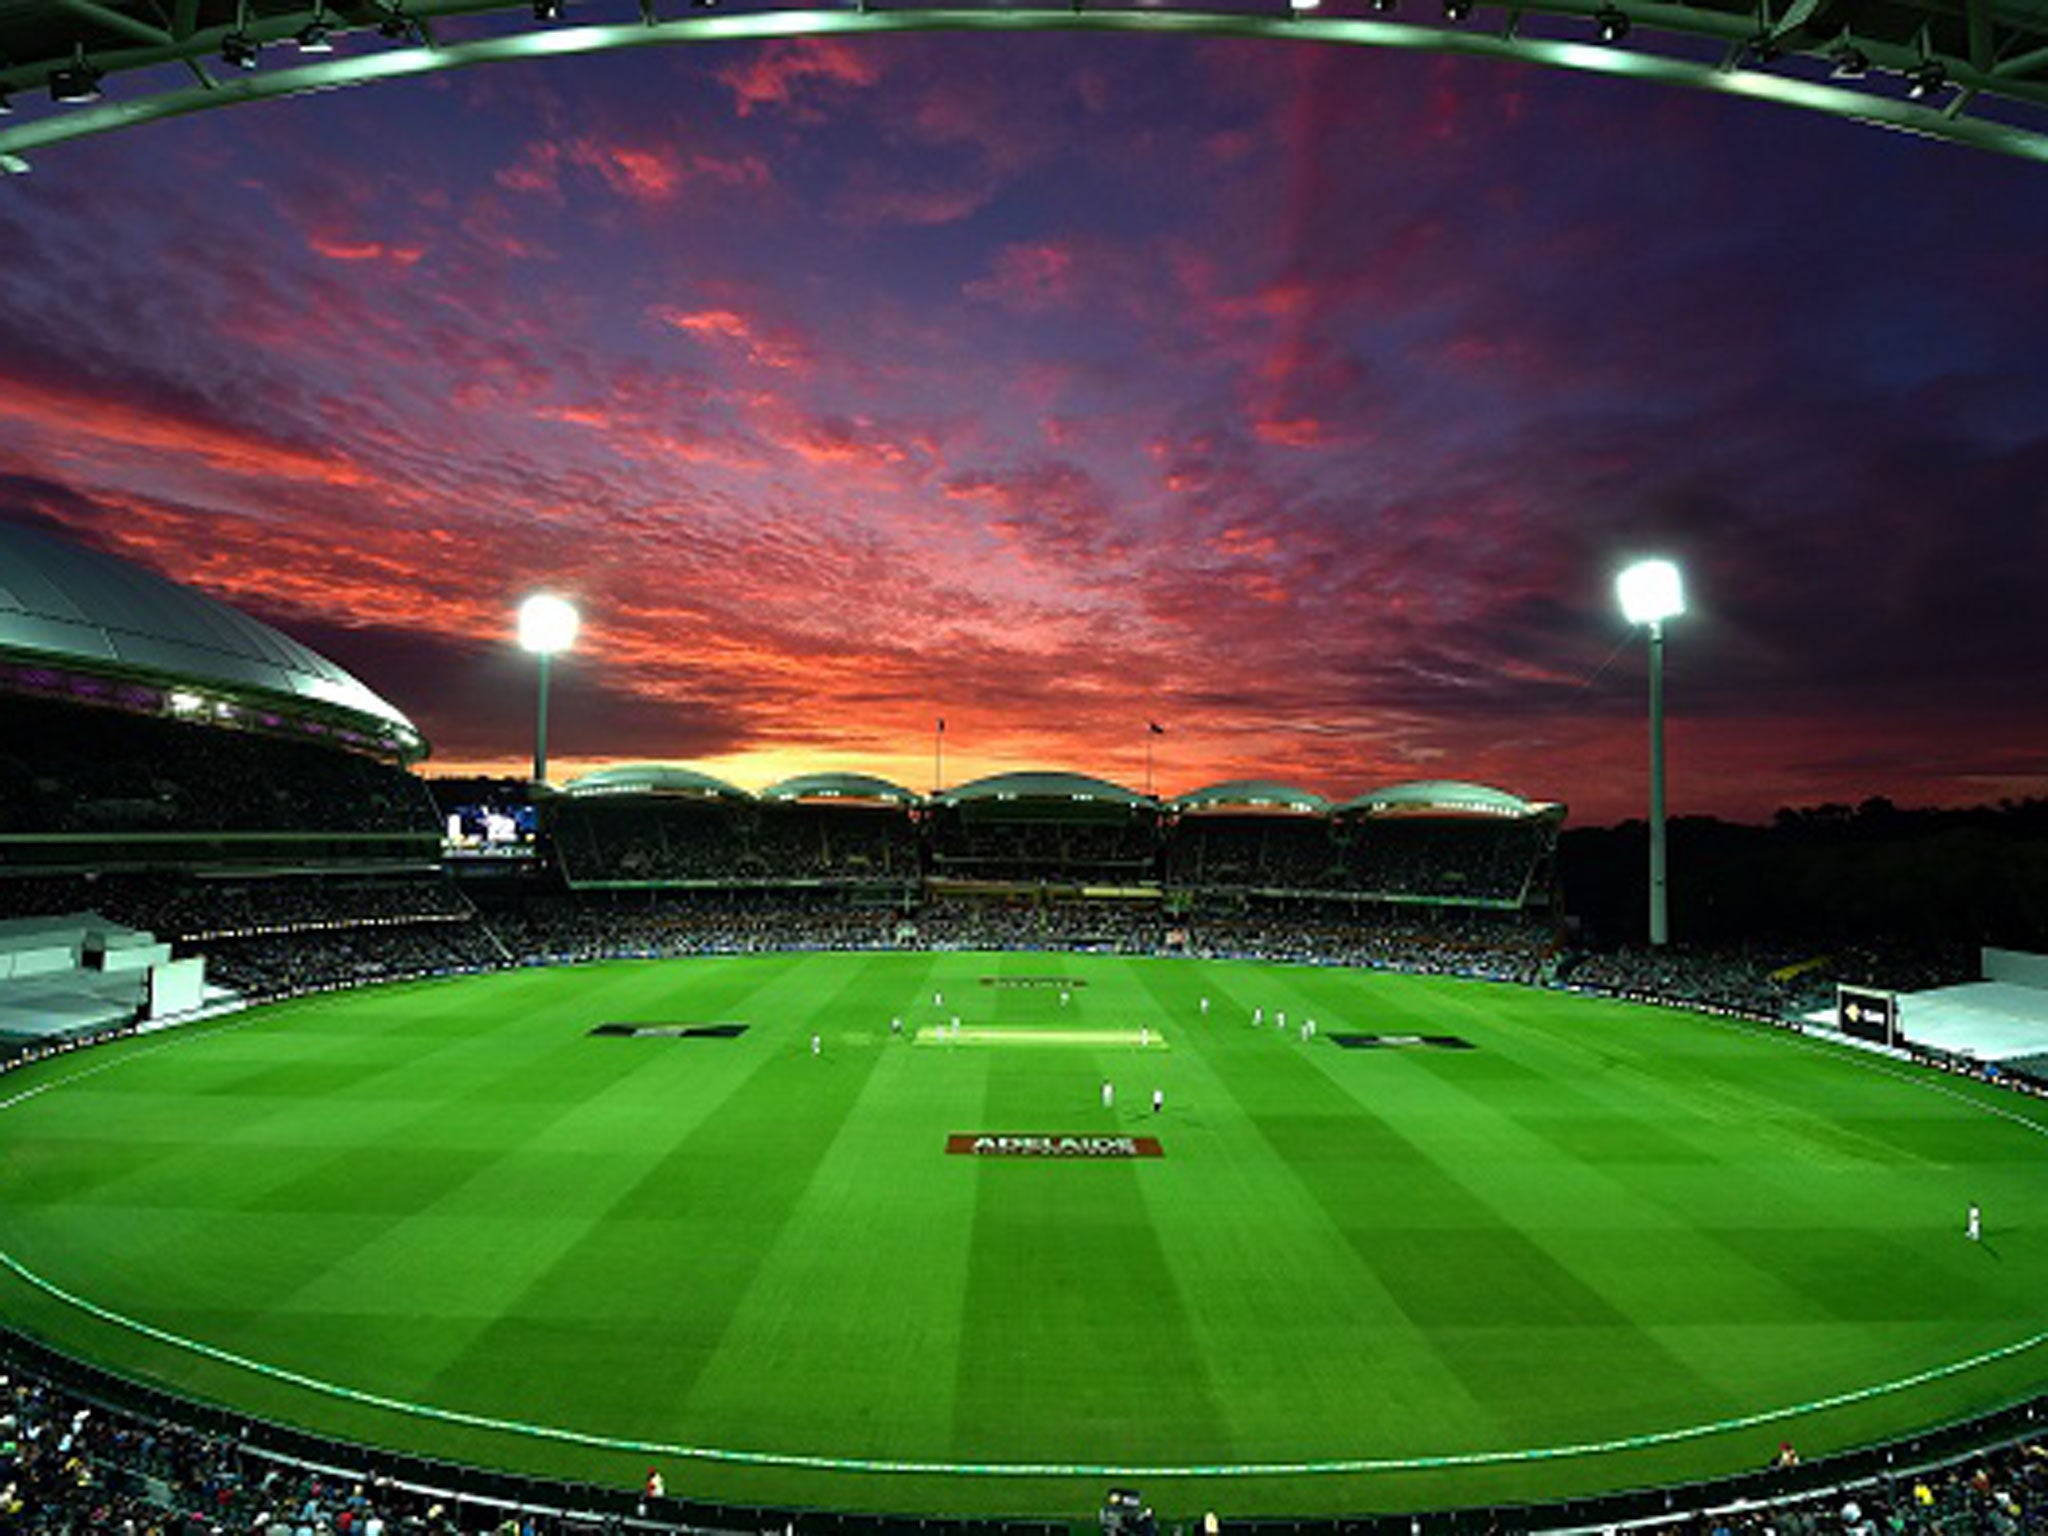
point(783, 73)
point(870, 201)
point(650, 174)
point(336, 249)
point(843, 442)
point(1028, 278)
point(68, 414)
point(1052, 512)
point(729, 329)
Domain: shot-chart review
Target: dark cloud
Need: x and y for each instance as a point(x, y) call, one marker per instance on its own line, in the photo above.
point(53, 508)
point(475, 700)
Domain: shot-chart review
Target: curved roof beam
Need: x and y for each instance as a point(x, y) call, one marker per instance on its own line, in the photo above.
point(1942, 113)
point(652, 779)
point(1041, 784)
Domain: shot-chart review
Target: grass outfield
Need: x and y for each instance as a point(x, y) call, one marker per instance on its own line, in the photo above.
point(1601, 1223)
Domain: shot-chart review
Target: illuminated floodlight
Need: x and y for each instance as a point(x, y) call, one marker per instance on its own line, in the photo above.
point(1651, 591)
point(547, 624)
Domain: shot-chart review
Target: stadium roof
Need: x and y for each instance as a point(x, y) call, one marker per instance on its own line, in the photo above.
point(88, 611)
point(1450, 795)
point(653, 779)
point(1252, 795)
point(840, 786)
point(1971, 71)
point(1040, 786)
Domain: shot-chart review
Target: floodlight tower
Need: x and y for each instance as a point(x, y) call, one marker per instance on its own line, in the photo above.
point(1652, 591)
point(547, 624)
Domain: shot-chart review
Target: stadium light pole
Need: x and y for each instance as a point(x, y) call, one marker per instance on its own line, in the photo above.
point(1652, 591)
point(547, 624)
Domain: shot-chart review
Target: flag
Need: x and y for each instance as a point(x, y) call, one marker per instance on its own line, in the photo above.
point(942, 725)
point(1156, 728)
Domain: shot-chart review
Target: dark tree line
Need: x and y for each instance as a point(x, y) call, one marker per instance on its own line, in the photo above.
point(1826, 873)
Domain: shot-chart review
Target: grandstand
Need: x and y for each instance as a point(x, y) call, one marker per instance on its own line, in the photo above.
point(1018, 829)
point(173, 770)
point(148, 725)
point(1445, 842)
point(1050, 835)
point(1254, 836)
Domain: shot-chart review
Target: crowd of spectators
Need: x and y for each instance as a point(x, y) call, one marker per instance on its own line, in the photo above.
point(1454, 859)
point(2002, 1492)
point(288, 934)
point(979, 847)
point(280, 965)
point(652, 839)
point(1488, 946)
point(1278, 853)
point(1779, 982)
point(192, 909)
point(1469, 858)
point(65, 769)
point(573, 928)
point(71, 1464)
point(568, 928)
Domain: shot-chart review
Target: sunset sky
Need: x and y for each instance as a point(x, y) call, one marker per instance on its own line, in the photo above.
point(1301, 400)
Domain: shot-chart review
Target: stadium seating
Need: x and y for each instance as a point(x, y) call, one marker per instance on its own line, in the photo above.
point(68, 769)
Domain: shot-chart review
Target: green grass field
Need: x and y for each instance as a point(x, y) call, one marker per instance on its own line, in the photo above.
point(1606, 1246)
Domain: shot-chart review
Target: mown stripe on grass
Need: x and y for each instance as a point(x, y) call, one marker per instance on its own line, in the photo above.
point(1301, 1342)
point(698, 1196)
point(848, 1328)
point(1472, 1266)
point(1069, 1297)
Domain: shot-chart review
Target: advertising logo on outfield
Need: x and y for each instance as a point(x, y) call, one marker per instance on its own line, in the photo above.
point(992, 1144)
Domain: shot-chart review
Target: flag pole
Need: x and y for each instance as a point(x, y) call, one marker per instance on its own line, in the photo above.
point(938, 754)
